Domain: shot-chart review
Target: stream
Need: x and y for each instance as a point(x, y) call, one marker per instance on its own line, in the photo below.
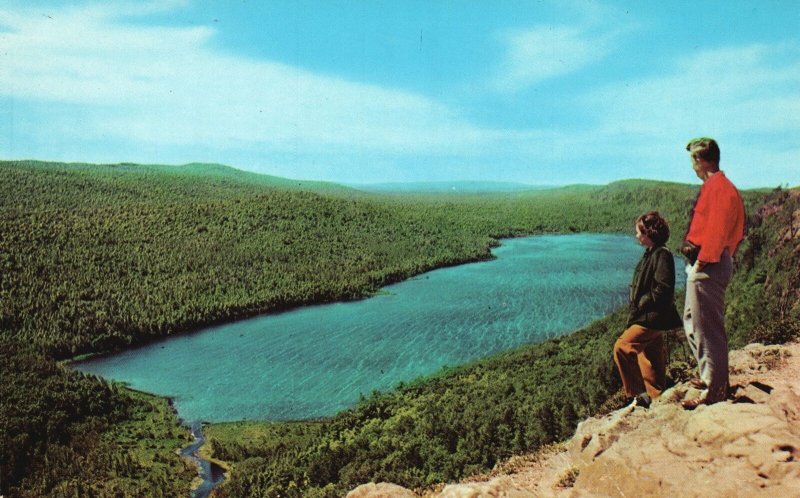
point(211, 473)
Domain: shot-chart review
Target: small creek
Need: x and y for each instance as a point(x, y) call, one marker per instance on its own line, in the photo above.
point(211, 473)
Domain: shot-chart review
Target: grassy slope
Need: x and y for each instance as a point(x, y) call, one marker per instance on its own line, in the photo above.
point(100, 257)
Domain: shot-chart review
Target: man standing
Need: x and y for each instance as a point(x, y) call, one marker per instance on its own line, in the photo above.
point(715, 230)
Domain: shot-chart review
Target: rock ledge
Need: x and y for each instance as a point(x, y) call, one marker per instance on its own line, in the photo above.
point(746, 446)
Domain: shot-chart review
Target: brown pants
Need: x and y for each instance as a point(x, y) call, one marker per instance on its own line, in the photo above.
point(641, 359)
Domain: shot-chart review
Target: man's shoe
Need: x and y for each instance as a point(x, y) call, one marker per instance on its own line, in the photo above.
point(698, 383)
point(691, 404)
point(643, 400)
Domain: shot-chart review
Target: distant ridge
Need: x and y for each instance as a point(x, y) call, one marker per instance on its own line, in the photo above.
point(449, 187)
point(222, 170)
point(225, 172)
point(215, 170)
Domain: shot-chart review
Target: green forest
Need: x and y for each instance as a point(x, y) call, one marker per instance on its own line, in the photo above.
point(98, 258)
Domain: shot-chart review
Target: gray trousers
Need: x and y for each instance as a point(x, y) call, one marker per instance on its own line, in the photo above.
point(704, 323)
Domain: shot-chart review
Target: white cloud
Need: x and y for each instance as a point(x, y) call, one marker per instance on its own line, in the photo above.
point(727, 91)
point(545, 52)
point(166, 85)
point(747, 97)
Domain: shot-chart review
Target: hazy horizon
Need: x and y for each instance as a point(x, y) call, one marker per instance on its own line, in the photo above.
point(433, 186)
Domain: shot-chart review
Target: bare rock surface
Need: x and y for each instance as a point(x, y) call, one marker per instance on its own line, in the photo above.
point(381, 490)
point(748, 445)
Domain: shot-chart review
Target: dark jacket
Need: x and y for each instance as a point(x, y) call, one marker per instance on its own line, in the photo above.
point(652, 298)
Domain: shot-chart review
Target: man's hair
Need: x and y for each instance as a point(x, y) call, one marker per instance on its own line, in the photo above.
point(704, 148)
point(654, 227)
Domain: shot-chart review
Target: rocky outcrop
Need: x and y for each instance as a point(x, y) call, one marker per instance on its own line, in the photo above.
point(381, 490)
point(746, 446)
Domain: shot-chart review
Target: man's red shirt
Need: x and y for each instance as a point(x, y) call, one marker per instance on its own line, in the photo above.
point(718, 221)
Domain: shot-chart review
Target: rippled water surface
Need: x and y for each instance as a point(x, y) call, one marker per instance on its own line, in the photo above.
point(317, 360)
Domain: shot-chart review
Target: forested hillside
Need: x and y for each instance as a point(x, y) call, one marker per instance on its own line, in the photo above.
point(101, 257)
point(466, 420)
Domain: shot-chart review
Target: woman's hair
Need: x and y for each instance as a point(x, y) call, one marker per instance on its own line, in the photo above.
point(654, 227)
point(704, 148)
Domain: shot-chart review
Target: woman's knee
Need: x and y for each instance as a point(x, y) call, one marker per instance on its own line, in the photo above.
point(622, 346)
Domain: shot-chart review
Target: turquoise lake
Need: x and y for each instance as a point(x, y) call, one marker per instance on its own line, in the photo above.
point(317, 360)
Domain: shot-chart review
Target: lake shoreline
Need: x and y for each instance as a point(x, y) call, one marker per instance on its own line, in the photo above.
point(492, 306)
point(183, 330)
point(201, 454)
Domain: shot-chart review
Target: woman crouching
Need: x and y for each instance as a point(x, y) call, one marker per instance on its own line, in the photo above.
point(639, 352)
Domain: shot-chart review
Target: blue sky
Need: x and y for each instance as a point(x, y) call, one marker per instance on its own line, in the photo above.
point(357, 91)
